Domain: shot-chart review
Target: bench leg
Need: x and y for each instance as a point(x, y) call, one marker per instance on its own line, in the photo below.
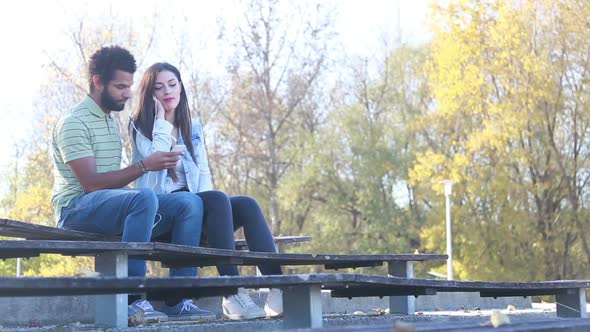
point(571, 303)
point(302, 307)
point(111, 310)
point(401, 304)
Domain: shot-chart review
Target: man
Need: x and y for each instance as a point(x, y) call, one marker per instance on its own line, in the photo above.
point(90, 191)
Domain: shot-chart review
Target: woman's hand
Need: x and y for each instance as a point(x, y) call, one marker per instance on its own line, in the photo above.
point(159, 109)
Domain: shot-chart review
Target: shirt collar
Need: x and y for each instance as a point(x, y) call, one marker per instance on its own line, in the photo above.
point(93, 107)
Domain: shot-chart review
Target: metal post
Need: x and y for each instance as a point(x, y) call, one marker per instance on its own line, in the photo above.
point(18, 266)
point(448, 191)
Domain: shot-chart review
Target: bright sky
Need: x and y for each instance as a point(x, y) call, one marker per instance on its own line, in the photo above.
point(29, 28)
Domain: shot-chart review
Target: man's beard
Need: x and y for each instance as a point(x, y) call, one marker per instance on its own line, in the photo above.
point(109, 103)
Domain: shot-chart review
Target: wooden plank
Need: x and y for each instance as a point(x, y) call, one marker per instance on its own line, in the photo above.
point(364, 291)
point(335, 281)
point(16, 248)
point(181, 256)
point(279, 240)
point(13, 228)
point(19, 229)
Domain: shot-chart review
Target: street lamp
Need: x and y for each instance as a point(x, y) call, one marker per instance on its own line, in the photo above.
point(448, 191)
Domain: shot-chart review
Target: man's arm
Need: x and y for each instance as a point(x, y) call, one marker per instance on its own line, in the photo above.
point(85, 170)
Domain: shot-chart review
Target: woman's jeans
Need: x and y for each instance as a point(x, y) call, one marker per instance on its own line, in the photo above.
point(138, 215)
point(225, 214)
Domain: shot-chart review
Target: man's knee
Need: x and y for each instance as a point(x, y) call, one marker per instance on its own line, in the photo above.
point(189, 202)
point(146, 196)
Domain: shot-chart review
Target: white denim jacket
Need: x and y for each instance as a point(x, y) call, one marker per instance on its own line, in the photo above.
point(198, 175)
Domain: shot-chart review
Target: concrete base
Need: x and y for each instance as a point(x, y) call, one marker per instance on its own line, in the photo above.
point(428, 321)
point(31, 311)
point(35, 311)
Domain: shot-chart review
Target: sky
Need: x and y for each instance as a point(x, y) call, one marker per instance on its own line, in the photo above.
point(29, 30)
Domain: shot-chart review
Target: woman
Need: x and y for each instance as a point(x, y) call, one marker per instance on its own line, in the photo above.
point(161, 121)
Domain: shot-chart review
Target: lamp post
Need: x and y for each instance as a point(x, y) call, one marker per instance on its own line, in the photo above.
point(18, 266)
point(448, 191)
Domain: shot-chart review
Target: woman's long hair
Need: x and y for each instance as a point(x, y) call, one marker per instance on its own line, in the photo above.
point(144, 114)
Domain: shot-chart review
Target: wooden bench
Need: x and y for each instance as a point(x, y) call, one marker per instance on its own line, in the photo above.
point(111, 259)
point(111, 256)
point(302, 293)
point(19, 229)
point(398, 265)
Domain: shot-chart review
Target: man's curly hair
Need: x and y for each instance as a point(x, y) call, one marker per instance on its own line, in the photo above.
point(107, 60)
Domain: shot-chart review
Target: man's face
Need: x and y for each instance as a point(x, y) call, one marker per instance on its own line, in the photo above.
point(117, 91)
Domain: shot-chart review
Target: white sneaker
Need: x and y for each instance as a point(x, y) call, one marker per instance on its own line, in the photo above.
point(241, 306)
point(274, 303)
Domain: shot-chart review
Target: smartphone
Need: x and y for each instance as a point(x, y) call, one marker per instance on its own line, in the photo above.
point(179, 148)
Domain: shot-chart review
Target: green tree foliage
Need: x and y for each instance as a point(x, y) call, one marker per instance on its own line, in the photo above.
point(510, 126)
point(354, 167)
point(30, 201)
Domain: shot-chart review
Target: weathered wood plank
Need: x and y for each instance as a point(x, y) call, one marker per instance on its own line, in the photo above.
point(19, 229)
point(190, 256)
point(334, 281)
point(279, 240)
point(13, 228)
point(179, 255)
point(13, 249)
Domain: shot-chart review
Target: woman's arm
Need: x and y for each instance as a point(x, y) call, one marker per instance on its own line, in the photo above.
point(162, 139)
point(203, 163)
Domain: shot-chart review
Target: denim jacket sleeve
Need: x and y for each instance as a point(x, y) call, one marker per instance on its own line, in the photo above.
point(143, 147)
point(201, 155)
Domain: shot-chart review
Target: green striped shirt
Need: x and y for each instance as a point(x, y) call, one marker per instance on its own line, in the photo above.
point(83, 131)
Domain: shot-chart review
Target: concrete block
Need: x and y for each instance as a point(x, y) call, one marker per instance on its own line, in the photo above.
point(22, 311)
point(32, 311)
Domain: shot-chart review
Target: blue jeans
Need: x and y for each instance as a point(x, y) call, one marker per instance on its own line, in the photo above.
point(138, 215)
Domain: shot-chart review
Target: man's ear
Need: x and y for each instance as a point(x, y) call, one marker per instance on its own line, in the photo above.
point(97, 81)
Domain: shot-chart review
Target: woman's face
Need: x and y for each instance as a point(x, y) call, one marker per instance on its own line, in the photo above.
point(167, 90)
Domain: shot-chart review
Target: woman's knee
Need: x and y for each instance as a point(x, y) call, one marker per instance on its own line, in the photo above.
point(214, 197)
point(244, 202)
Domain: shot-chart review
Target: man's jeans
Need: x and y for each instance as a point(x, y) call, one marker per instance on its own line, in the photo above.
point(139, 215)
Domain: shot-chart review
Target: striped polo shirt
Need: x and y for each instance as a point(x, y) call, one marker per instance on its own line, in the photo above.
point(83, 131)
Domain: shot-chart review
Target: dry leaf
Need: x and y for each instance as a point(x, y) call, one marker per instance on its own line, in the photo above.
point(498, 318)
point(135, 319)
point(380, 311)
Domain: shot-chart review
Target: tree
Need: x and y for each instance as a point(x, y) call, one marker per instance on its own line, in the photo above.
point(356, 163)
point(281, 53)
point(510, 128)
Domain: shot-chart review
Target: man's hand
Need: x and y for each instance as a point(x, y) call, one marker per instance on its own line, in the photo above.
point(85, 170)
point(161, 160)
